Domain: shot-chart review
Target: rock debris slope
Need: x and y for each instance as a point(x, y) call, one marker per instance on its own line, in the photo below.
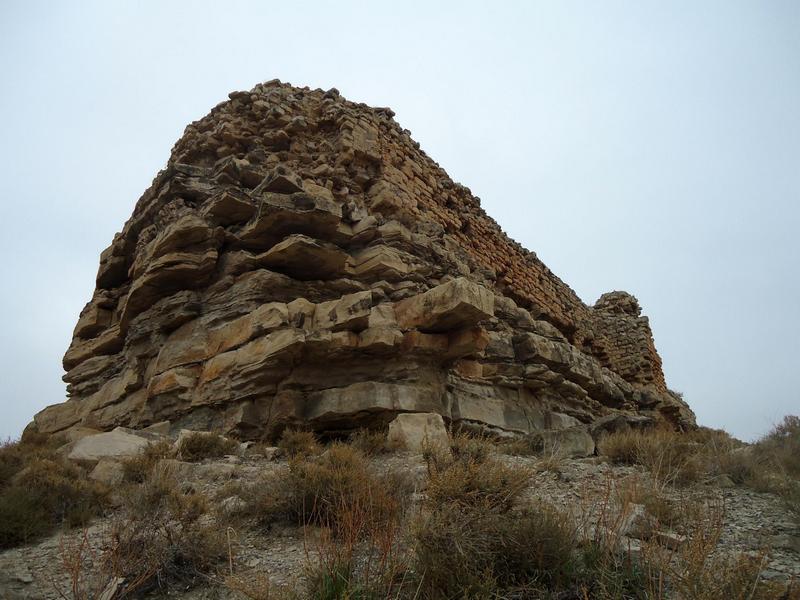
point(301, 261)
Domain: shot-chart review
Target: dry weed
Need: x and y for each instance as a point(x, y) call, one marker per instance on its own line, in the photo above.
point(199, 445)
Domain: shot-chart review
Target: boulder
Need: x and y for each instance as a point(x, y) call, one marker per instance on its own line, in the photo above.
point(637, 523)
point(119, 443)
point(417, 431)
point(108, 471)
point(573, 442)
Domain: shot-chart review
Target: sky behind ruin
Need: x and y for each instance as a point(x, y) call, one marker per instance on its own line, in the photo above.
point(646, 146)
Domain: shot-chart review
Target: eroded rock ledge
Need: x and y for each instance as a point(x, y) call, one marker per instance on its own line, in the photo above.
point(300, 261)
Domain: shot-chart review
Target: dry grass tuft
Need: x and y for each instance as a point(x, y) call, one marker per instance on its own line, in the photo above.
point(476, 537)
point(484, 552)
point(296, 443)
point(470, 484)
point(200, 445)
point(634, 491)
point(772, 464)
point(137, 468)
point(371, 443)
point(673, 458)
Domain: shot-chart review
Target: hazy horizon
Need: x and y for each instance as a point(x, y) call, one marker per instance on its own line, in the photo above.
point(642, 146)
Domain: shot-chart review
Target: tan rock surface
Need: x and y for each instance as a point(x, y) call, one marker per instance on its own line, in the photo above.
point(418, 431)
point(300, 261)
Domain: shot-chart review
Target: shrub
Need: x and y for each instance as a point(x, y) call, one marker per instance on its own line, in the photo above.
point(778, 455)
point(14, 455)
point(475, 540)
point(162, 550)
point(634, 491)
point(696, 570)
point(371, 443)
point(160, 537)
point(321, 489)
point(326, 489)
point(11, 461)
point(295, 443)
point(161, 493)
point(781, 446)
point(255, 586)
point(198, 445)
point(491, 485)
point(471, 448)
point(477, 553)
point(137, 468)
point(526, 445)
point(671, 457)
point(360, 514)
point(45, 493)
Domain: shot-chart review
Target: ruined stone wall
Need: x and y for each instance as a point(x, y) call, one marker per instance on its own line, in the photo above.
point(302, 261)
point(412, 187)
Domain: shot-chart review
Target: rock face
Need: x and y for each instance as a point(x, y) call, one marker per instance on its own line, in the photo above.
point(300, 261)
point(418, 431)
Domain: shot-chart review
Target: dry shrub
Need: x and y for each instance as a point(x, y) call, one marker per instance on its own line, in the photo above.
point(163, 536)
point(361, 556)
point(463, 448)
point(552, 462)
point(164, 550)
point(14, 455)
point(12, 459)
point(315, 489)
point(467, 447)
point(467, 483)
point(476, 540)
point(46, 493)
point(655, 502)
point(772, 464)
point(162, 493)
point(255, 586)
point(137, 468)
point(781, 446)
point(527, 445)
point(339, 479)
point(199, 445)
point(483, 553)
point(296, 443)
point(359, 513)
point(671, 457)
point(695, 570)
point(371, 443)
point(778, 457)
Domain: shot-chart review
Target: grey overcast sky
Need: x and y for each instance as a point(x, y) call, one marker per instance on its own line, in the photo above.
point(647, 146)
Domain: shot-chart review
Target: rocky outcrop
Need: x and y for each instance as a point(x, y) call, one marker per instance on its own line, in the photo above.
point(300, 261)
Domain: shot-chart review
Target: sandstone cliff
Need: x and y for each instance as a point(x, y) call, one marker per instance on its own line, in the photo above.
point(300, 261)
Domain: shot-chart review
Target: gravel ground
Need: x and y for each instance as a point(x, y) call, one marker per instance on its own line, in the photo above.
point(752, 522)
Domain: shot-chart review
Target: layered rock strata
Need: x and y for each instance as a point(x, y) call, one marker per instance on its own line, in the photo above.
point(301, 261)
